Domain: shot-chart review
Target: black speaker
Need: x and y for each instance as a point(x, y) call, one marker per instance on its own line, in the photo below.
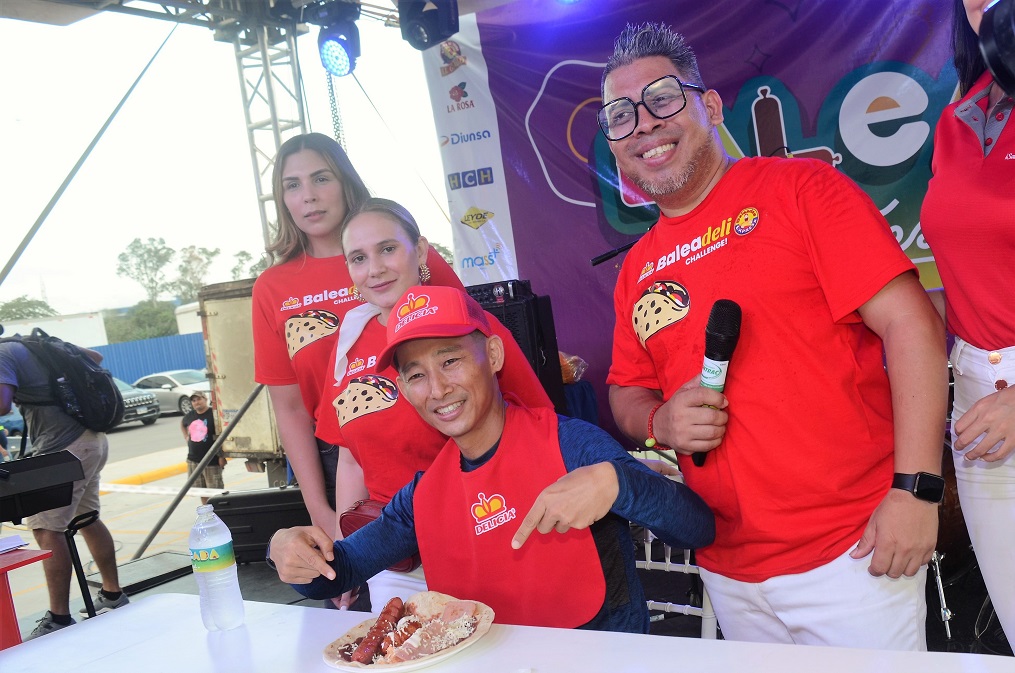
point(529, 318)
point(425, 23)
point(32, 485)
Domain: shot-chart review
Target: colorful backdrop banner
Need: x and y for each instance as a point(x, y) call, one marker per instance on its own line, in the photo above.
point(534, 189)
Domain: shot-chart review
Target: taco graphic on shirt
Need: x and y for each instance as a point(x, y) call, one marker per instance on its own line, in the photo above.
point(307, 327)
point(365, 395)
point(662, 304)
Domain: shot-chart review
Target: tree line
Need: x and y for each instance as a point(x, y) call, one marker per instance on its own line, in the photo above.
point(148, 263)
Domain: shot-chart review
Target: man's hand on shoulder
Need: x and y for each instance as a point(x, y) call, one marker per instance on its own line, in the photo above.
point(302, 554)
point(902, 533)
point(576, 500)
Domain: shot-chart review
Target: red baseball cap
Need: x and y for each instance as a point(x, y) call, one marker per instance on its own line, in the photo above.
point(432, 312)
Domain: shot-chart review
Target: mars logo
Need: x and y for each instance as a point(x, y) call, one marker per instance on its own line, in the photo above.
point(491, 512)
point(451, 54)
point(290, 303)
point(646, 271)
point(489, 259)
point(414, 308)
point(746, 221)
point(476, 218)
point(356, 366)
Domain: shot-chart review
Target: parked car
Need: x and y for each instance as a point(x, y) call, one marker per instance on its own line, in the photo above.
point(138, 405)
point(173, 389)
point(13, 421)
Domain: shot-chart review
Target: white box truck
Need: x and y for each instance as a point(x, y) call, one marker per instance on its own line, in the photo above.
point(225, 311)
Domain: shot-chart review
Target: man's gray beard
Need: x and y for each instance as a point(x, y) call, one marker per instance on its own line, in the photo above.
point(670, 184)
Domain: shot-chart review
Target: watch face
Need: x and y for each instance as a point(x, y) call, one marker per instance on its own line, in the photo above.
point(929, 487)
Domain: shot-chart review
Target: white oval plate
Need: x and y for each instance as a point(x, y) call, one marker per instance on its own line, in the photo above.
point(484, 618)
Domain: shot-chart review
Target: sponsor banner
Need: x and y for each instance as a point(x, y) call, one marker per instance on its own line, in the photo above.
point(466, 120)
point(796, 78)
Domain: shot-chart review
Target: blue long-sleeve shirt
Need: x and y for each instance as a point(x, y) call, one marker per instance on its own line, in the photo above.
point(669, 509)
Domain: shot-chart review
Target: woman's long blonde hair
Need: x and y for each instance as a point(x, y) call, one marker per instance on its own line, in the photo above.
point(289, 241)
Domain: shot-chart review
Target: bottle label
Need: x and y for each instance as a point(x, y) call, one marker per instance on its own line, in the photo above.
point(713, 374)
point(213, 558)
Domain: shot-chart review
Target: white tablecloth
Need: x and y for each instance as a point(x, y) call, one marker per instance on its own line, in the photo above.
point(164, 633)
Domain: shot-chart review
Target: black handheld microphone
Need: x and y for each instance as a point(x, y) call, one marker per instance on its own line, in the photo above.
point(721, 335)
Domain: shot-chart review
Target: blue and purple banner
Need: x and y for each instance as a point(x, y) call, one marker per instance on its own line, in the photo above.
point(533, 187)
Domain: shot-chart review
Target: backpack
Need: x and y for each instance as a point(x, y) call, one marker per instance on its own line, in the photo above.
point(85, 391)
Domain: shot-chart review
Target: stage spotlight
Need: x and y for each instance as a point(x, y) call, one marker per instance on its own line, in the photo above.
point(425, 23)
point(338, 41)
point(339, 47)
point(997, 42)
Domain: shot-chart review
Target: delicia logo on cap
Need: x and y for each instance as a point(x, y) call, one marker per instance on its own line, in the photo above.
point(415, 307)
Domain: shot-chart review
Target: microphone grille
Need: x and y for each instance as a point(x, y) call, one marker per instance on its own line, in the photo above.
point(725, 318)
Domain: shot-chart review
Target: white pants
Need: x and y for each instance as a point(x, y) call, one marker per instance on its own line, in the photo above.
point(385, 585)
point(838, 604)
point(987, 490)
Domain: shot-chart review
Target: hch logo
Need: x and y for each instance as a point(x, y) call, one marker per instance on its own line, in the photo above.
point(473, 178)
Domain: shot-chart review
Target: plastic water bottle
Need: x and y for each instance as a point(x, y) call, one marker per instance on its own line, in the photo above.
point(67, 397)
point(211, 555)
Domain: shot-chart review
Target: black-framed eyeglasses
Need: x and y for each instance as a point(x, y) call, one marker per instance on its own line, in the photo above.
point(663, 98)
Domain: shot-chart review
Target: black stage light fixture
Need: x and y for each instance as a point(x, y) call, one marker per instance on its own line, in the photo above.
point(997, 42)
point(425, 23)
point(338, 41)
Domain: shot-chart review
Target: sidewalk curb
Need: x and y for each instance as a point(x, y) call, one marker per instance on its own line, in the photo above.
point(153, 475)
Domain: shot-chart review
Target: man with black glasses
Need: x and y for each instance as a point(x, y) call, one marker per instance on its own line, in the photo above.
point(822, 468)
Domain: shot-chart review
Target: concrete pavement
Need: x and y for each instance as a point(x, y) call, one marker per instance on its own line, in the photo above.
point(135, 495)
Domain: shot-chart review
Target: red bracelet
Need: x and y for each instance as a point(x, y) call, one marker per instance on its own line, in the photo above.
point(652, 441)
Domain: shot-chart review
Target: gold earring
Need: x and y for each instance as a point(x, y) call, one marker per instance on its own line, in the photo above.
point(356, 295)
point(424, 274)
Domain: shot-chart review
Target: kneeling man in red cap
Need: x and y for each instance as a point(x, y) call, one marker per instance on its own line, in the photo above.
point(505, 472)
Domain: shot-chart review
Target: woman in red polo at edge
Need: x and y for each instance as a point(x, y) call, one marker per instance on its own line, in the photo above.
point(967, 219)
point(299, 302)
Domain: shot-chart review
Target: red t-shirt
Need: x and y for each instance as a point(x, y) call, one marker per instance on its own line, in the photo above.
point(807, 454)
point(967, 219)
point(389, 440)
point(297, 309)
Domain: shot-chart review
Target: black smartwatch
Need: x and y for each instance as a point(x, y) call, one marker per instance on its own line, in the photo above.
point(923, 485)
point(267, 554)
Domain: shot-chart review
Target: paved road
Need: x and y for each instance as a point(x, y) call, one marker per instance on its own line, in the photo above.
point(134, 439)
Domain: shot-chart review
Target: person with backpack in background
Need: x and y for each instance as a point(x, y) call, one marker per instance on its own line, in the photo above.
point(198, 427)
point(23, 375)
point(5, 454)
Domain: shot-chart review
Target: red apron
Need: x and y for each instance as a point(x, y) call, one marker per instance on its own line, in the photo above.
point(465, 522)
